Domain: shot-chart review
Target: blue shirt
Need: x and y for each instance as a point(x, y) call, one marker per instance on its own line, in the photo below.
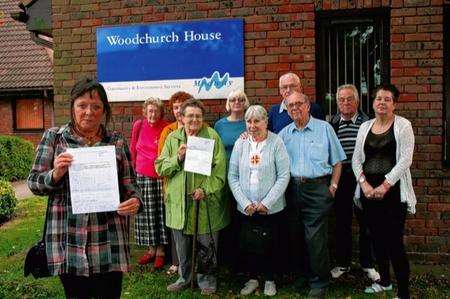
point(279, 118)
point(229, 132)
point(313, 150)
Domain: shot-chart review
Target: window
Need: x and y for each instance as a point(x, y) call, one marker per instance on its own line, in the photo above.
point(353, 48)
point(447, 84)
point(28, 114)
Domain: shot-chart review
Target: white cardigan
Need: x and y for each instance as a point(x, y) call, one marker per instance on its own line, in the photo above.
point(404, 137)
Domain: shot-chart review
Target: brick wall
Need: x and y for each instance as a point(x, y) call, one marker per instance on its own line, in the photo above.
point(280, 37)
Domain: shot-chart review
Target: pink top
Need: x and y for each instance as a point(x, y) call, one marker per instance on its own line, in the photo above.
point(144, 146)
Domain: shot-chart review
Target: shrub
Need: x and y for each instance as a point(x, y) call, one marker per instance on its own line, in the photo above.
point(16, 158)
point(8, 201)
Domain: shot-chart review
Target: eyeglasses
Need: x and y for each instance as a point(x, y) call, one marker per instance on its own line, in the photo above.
point(289, 86)
point(237, 100)
point(193, 116)
point(347, 99)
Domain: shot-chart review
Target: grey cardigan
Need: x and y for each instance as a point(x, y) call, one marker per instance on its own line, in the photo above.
point(404, 137)
point(274, 174)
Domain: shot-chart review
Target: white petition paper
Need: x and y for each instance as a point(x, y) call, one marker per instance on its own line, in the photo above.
point(199, 154)
point(93, 179)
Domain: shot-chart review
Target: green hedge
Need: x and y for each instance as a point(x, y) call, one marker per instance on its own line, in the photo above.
point(16, 158)
point(8, 201)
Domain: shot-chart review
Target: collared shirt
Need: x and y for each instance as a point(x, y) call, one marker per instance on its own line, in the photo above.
point(313, 150)
point(279, 117)
point(353, 119)
point(347, 132)
point(82, 244)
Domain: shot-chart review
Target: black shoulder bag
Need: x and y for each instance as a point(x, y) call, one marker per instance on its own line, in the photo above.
point(206, 256)
point(36, 259)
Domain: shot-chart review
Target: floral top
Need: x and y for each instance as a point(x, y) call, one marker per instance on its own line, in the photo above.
point(82, 244)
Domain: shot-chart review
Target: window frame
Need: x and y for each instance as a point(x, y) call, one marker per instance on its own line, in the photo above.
point(446, 114)
point(325, 17)
point(14, 114)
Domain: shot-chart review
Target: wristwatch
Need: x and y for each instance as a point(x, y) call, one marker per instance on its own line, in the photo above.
point(362, 179)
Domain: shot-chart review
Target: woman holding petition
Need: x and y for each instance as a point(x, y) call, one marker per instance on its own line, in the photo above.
point(183, 188)
point(258, 177)
point(175, 102)
point(150, 228)
point(89, 252)
point(381, 161)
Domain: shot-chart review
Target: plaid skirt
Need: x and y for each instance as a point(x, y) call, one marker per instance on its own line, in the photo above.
point(150, 226)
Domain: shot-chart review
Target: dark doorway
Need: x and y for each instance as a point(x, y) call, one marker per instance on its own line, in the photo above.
point(353, 48)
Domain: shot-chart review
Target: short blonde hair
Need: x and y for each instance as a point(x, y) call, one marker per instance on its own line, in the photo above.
point(237, 94)
point(256, 111)
point(155, 102)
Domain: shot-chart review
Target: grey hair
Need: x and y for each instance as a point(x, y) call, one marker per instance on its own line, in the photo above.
point(237, 94)
point(290, 74)
point(348, 86)
point(257, 112)
point(155, 102)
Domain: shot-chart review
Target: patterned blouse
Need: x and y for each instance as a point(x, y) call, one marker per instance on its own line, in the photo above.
point(82, 244)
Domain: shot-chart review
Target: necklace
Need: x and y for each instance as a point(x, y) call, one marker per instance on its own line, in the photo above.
point(89, 140)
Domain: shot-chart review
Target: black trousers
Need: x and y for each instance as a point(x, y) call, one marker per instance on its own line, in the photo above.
point(344, 209)
point(309, 205)
point(386, 220)
point(260, 259)
point(105, 285)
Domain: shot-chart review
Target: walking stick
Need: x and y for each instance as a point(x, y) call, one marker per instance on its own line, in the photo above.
point(194, 244)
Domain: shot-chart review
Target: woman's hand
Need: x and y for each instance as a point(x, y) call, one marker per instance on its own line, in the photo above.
point(260, 208)
point(181, 152)
point(61, 165)
point(380, 191)
point(250, 209)
point(367, 190)
point(198, 194)
point(129, 207)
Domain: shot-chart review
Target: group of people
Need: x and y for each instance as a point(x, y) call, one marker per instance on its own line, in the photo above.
point(275, 177)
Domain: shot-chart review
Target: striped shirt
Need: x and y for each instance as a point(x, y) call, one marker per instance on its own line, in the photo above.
point(347, 132)
point(82, 244)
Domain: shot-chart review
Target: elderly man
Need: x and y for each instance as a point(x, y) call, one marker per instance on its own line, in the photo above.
point(346, 124)
point(278, 115)
point(315, 158)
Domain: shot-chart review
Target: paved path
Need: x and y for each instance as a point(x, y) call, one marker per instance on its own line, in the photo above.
point(21, 189)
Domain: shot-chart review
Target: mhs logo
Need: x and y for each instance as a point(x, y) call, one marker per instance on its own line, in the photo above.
point(215, 80)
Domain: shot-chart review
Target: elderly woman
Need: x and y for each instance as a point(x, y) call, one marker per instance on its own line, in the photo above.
point(258, 177)
point(150, 228)
point(175, 102)
point(185, 187)
point(232, 126)
point(89, 252)
point(229, 129)
point(381, 161)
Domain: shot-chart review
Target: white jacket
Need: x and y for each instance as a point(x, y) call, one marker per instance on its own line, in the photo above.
point(404, 137)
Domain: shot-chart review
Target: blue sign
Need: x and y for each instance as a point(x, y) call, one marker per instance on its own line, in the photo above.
point(204, 58)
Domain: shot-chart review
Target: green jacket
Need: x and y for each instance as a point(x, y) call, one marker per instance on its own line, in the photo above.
point(179, 208)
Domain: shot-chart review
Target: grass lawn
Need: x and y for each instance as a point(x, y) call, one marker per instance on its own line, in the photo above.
point(25, 229)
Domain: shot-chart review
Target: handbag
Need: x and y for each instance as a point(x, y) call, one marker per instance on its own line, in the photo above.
point(36, 259)
point(255, 237)
point(206, 255)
